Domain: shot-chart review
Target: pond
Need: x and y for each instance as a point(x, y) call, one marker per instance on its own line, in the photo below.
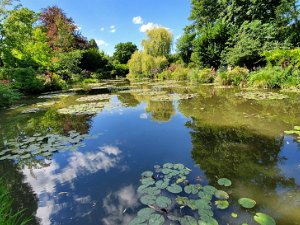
point(77, 157)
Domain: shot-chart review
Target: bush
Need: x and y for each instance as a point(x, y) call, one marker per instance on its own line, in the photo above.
point(7, 95)
point(201, 76)
point(283, 57)
point(120, 70)
point(270, 77)
point(180, 73)
point(53, 82)
point(235, 76)
point(93, 60)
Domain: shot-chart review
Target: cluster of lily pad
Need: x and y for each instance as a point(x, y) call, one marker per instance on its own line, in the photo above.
point(295, 131)
point(56, 95)
point(167, 195)
point(93, 98)
point(261, 95)
point(172, 97)
point(25, 147)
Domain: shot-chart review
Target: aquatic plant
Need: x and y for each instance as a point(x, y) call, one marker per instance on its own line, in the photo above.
point(93, 98)
point(168, 195)
point(261, 95)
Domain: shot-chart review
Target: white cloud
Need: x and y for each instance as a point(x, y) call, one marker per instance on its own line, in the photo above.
point(137, 20)
point(102, 28)
point(149, 26)
point(112, 29)
point(78, 27)
point(101, 42)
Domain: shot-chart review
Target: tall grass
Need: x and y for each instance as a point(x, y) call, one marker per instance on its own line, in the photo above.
point(7, 216)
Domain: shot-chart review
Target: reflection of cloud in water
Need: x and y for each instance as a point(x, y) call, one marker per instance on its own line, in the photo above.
point(115, 204)
point(44, 180)
point(144, 116)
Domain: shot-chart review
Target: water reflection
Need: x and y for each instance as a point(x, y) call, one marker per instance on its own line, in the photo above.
point(119, 206)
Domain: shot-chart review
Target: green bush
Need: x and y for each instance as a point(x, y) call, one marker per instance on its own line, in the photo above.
point(201, 76)
point(180, 73)
point(236, 76)
point(164, 75)
point(7, 95)
point(93, 60)
point(120, 70)
point(270, 77)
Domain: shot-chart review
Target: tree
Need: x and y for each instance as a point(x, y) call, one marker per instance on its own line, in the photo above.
point(159, 42)
point(123, 52)
point(93, 44)
point(93, 59)
point(60, 29)
point(184, 45)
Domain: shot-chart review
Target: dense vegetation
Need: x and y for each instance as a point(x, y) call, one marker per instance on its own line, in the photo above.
point(229, 42)
point(233, 43)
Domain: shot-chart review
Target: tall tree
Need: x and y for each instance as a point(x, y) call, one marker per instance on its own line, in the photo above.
point(159, 42)
point(184, 45)
point(123, 52)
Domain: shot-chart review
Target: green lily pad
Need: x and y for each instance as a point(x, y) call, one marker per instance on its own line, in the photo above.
point(138, 221)
point(163, 202)
point(221, 195)
point(156, 219)
point(145, 213)
point(264, 219)
point(188, 220)
point(178, 166)
point(174, 188)
point(247, 203)
point(168, 165)
point(180, 180)
point(209, 189)
point(191, 189)
point(162, 184)
point(234, 215)
point(148, 181)
point(148, 199)
point(224, 182)
point(150, 191)
point(210, 221)
point(182, 200)
point(147, 174)
point(222, 204)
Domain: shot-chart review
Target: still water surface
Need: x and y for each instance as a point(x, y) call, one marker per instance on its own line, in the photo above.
point(216, 134)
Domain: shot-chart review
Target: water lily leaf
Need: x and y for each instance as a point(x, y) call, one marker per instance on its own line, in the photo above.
point(150, 191)
point(191, 189)
point(222, 204)
point(174, 188)
point(247, 203)
point(180, 180)
point(204, 195)
point(168, 165)
point(148, 199)
point(163, 202)
point(224, 182)
point(156, 219)
point(209, 189)
point(182, 200)
point(178, 166)
point(188, 220)
point(147, 174)
point(264, 219)
point(234, 215)
point(221, 195)
point(210, 221)
point(138, 221)
point(162, 184)
point(148, 181)
point(166, 171)
point(145, 213)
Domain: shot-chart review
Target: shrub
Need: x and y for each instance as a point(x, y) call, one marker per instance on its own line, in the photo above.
point(283, 57)
point(93, 60)
point(180, 73)
point(120, 70)
point(164, 75)
point(53, 82)
point(234, 77)
point(7, 95)
point(201, 76)
point(269, 77)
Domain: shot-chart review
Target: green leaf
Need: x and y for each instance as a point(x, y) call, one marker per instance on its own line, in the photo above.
point(162, 184)
point(192, 189)
point(138, 221)
point(168, 165)
point(209, 189)
point(247, 203)
point(148, 199)
point(174, 188)
point(145, 213)
point(222, 204)
point(224, 182)
point(148, 181)
point(264, 219)
point(156, 219)
point(163, 202)
point(147, 174)
point(234, 215)
point(188, 220)
point(182, 200)
point(221, 195)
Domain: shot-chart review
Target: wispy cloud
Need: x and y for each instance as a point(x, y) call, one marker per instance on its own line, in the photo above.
point(148, 26)
point(113, 29)
point(102, 28)
point(101, 42)
point(137, 20)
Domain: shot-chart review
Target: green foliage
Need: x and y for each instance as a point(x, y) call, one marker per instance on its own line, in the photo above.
point(123, 52)
point(158, 43)
point(236, 76)
point(180, 73)
point(7, 216)
point(7, 95)
point(120, 70)
point(283, 57)
point(184, 45)
point(202, 76)
point(93, 60)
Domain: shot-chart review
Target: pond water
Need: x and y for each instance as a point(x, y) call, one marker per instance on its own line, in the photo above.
point(73, 160)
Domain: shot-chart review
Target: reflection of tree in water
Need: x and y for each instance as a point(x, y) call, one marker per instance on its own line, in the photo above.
point(161, 111)
point(128, 99)
point(21, 193)
point(238, 154)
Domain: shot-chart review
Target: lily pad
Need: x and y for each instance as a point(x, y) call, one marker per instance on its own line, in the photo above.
point(174, 188)
point(148, 199)
point(222, 204)
point(145, 213)
point(156, 219)
point(148, 181)
point(222, 195)
point(264, 219)
point(192, 189)
point(162, 184)
point(147, 174)
point(163, 202)
point(247, 203)
point(234, 215)
point(188, 220)
point(224, 182)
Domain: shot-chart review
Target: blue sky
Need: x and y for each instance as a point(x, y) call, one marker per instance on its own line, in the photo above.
point(111, 21)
